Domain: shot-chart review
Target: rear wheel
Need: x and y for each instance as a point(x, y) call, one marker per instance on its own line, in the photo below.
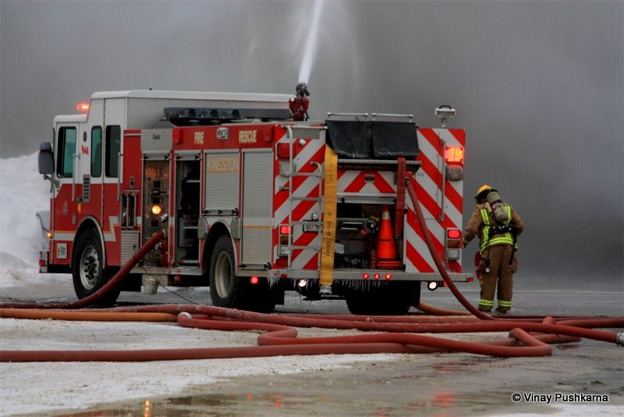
point(231, 291)
point(225, 288)
point(88, 272)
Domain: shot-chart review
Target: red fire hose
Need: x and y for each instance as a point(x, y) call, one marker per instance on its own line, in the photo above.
point(279, 336)
point(434, 254)
point(281, 339)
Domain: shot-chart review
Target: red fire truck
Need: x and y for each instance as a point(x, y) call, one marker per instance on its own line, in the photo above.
point(253, 201)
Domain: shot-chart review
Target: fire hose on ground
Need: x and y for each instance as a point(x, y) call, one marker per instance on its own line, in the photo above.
point(528, 336)
point(280, 336)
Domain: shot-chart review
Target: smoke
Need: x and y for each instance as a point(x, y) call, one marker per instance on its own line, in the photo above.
point(537, 85)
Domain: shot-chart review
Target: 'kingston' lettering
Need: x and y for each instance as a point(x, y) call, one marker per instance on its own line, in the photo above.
point(222, 165)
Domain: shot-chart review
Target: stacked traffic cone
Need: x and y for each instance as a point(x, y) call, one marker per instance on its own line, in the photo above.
point(386, 250)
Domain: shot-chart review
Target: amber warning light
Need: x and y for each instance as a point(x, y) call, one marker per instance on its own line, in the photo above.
point(454, 155)
point(82, 107)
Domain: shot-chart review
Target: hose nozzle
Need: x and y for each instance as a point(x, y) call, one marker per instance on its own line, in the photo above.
point(302, 90)
point(300, 103)
point(619, 339)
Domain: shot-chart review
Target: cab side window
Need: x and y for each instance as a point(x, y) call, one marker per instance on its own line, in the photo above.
point(96, 152)
point(66, 151)
point(113, 146)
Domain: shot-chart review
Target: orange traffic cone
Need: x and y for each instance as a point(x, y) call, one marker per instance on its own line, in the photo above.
point(386, 250)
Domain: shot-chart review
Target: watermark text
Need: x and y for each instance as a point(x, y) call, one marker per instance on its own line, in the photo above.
point(559, 397)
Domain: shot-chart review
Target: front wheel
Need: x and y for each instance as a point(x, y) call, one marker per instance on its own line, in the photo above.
point(231, 291)
point(88, 272)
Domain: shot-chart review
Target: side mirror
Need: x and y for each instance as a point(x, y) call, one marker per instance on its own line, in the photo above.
point(46, 159)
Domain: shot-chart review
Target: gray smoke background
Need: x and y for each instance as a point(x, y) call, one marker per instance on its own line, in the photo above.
point(538, 86)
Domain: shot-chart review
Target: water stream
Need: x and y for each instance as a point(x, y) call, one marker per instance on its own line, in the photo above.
point(311, 42)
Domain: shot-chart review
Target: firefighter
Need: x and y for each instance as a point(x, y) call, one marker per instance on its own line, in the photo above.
point(497, 224)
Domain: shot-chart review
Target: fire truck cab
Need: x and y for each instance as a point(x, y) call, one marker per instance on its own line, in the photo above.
point(253, 203)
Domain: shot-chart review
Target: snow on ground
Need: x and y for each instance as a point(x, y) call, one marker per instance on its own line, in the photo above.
point(39, 387)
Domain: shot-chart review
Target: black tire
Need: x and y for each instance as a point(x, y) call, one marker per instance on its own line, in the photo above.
point(88, 272)
point(394, 300)
point(225, 287)
point(230, 291)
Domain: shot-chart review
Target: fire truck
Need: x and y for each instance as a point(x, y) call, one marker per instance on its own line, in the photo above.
point(254, 199)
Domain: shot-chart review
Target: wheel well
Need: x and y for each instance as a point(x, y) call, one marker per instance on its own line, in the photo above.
point(216, 231)
point(88, 224)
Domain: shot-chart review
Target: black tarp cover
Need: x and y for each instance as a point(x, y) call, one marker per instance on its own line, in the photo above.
point(372, 139)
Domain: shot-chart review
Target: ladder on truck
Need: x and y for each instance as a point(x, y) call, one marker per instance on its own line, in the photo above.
point(296, 133)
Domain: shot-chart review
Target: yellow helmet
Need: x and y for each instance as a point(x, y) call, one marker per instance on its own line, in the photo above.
point(483, 188)
point(483, 191)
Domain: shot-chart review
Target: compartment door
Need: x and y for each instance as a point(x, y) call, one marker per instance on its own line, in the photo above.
point(257, 210)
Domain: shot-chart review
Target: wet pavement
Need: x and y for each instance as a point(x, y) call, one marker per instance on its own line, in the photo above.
point(438, 385)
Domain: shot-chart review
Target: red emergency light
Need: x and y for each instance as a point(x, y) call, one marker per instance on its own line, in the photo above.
point(82, 107)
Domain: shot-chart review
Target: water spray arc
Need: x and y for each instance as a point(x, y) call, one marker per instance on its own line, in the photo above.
point(311, 43)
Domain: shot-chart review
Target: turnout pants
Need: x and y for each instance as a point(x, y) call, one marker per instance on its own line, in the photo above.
point(500, 275)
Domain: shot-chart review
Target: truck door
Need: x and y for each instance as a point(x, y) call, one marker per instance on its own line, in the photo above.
point(188, 208)
point(65, 204)
point(114, 110)
point(93, 175)
point(222, 190)
point(132, 173)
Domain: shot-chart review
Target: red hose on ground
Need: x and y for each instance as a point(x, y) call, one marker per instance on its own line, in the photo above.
point(436, 258)
point(275, 343)
point(72, 315)
point(281, 337)
point(430, 309)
